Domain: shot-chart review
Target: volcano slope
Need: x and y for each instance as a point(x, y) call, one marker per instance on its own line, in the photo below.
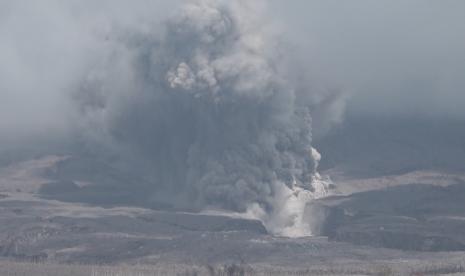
point(69, 209)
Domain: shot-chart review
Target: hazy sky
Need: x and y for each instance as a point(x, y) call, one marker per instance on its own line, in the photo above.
point(397, 58)
point(48, 47)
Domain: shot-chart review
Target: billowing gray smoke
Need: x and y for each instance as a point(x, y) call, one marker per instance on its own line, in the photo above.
point(204, 109)
point(209, 109)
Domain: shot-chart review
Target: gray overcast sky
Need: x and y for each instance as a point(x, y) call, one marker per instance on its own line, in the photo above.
point(392, 57)
point(395, 58)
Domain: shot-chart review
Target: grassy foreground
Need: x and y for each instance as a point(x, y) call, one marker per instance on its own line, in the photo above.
point(8, 268)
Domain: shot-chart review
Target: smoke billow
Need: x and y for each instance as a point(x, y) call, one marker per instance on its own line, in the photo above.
point(203, 105)
point(208, 107)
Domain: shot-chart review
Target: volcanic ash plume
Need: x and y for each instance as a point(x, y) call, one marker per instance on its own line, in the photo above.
point(204, 106)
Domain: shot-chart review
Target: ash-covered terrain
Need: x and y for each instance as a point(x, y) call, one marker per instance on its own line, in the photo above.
point(76, 210)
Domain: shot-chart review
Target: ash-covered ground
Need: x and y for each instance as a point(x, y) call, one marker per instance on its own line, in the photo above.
point(76, 210)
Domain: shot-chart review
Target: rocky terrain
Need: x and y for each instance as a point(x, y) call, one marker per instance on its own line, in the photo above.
point(59, 209)
point(421, 211)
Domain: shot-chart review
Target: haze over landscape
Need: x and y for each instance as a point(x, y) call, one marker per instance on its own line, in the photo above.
point(198, 136)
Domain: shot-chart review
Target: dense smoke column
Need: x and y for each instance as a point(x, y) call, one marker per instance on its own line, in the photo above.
point(205, 110)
